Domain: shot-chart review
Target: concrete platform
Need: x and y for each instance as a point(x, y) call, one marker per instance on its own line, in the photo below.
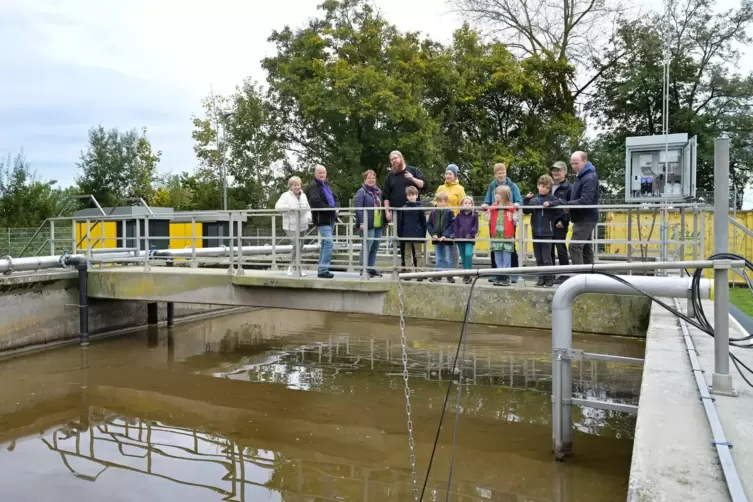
point(673, 455)
point(520, 305)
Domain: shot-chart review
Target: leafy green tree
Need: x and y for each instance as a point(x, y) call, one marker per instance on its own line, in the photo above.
point(26, 201)
point(171, 192)
point(708, 96)
point(349, 88)
point(117, 166)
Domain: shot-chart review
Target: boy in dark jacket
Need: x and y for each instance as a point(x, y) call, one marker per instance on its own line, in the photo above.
point(439, 226)
point(542, 225)
point(412, 228)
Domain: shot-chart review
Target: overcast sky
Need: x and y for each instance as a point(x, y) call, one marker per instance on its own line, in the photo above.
point(68, 66)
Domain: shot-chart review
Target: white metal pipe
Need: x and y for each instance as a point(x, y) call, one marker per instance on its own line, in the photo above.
point(562, 335)
point(564, 269)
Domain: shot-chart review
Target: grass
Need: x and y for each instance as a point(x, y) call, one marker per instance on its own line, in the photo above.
point(742, 299)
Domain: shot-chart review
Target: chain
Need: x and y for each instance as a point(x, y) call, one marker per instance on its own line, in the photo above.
point(403, 342)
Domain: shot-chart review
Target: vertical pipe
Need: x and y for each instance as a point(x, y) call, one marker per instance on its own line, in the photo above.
point(695, 233)
point(396, 247)
point(124, 230)
point(350, 236)
point(562, 381)
point(682, 238)
point(721, 378)
point(83, 306)
point(88, 241)
point(74, 224)
point(170, 314)
point(137, 231)
point(152, 313)
point(146, 243)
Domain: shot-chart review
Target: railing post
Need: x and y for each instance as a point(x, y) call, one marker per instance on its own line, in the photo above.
point(630, 237)
point(521, 246)
point(274, 242)
point(52, 238)
point(230, 242)
point(695, 233)
point(239, 233)
point(193, 242)
point(682, 238)
point(137, 232)
point(88, 241)
point(350, 235)
point(396, 247)
point(297, 248)
point(73, 237)
point(365, 244)
point(146, 243)
point(721, 379)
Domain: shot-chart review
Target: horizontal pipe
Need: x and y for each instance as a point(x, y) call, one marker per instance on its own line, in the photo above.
point(565, 269)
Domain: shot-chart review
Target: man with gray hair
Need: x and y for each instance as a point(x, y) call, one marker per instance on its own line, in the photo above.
point(585, 193)
point(321, 197)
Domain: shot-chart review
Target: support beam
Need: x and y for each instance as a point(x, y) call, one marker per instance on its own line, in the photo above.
point(83, 304)
point(152, 313)
point(170, 314)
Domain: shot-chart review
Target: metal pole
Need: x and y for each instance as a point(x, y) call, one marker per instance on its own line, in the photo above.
point(240, 246)
point(52, 237)
point(74, 225)
point(350, 235)
point(230, 242)
point(274, 242)
point(193, 241)
point(146, 243)
point(297, 250)
point(83, 306)
point(630, 235)
point(365, 245)
point(170, 314)
point(721, 380)
point(395, 247)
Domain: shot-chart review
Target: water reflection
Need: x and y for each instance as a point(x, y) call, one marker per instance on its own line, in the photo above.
point(258, 407)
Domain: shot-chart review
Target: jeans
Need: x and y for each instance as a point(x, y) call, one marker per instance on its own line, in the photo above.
point(502, 259)
point(454, 255)
point(442, 252)
point(371, 246)
point(582, 253)
point(465, 249)
point(325, 251)
point(513, 258)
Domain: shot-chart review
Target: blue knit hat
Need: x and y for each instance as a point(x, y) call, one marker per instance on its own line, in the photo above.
point(453, 168)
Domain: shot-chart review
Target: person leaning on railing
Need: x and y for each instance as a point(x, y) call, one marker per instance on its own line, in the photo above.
point(369, 200)
point(322, 197)
point(585, 193)
point(294, 205)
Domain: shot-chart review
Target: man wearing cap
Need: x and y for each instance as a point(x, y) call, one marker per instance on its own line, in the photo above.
point(562, 189)
point(455, 193)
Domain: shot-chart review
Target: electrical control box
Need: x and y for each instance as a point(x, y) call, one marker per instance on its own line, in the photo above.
point(661, 167)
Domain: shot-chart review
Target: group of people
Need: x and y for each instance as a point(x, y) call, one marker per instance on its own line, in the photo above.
point(452, 223)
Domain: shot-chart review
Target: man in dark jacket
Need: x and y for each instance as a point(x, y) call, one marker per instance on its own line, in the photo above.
point(585, 193)
point(401, 176)
point(323, 203)
point(561, 189)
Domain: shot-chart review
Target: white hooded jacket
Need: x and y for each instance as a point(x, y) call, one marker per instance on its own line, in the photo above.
point(288, 201)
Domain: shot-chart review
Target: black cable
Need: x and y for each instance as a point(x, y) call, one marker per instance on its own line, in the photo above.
point(449, 387)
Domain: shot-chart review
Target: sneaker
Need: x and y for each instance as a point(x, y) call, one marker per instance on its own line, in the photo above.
point(504, 282)
point(548, 283)
point(451, 280)
point(496, 282)
point(467, 279)
point(539, 282)
point(435, 279)
point(561, 279)
point(420, 279)
point(493, 279)
point(374, 273)
point(325, 275)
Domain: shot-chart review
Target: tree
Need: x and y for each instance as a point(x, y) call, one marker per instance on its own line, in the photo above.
point(349, 88)
point(172, 192)
point(556, 32)
point(492, 107)
point(24, 200)
point(708, 97)
point(246, 142)
point(117, 166)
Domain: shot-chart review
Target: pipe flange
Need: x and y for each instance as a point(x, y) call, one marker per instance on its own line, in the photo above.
point(62, 261)
point(10, 265)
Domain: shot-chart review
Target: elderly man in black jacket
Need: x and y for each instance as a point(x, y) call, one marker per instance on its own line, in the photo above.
point(585, 193)
point(562, 189)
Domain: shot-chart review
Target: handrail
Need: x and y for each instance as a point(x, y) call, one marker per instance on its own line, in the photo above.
point(740, 226)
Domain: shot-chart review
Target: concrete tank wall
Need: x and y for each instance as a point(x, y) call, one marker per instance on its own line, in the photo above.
point(42, 308)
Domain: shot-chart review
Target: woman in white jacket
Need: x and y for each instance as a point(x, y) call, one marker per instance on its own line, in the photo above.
point(294, 205)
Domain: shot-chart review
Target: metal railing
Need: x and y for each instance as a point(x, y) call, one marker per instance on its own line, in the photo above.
point(255, 238)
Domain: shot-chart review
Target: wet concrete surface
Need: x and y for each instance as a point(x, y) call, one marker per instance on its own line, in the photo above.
point(284, 405)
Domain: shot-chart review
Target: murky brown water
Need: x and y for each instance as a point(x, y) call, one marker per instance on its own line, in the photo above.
point(305, 406)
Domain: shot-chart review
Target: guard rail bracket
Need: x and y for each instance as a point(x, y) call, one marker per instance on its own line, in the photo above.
point(722, 264)
point(721, 443)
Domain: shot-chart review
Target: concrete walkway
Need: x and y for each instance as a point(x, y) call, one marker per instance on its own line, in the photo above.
point(673, 455)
